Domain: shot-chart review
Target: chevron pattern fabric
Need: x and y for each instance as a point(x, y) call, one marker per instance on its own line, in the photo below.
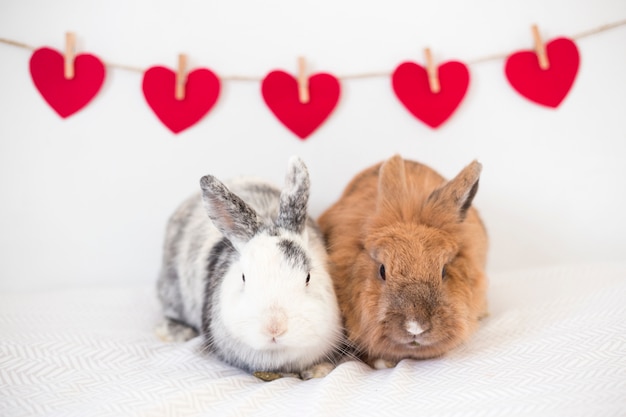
point(553, 345)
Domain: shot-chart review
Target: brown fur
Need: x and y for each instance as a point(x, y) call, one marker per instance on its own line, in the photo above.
point(404, 215)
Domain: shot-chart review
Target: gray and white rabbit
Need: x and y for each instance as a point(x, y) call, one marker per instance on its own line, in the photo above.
point(246, 267)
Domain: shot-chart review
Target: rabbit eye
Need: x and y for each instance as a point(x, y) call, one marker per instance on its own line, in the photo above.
point(243, 278)
point(308, 278)
point(443, 272)
point(381, 272)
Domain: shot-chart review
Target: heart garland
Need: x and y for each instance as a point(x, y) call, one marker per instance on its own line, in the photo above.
point(280, 92)
point(410, 83)
point(202, 90)
point(546, 87)
point(66, 96)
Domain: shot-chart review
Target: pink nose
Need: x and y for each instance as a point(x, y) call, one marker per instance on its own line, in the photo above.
point(276, 328)
point(277, 324)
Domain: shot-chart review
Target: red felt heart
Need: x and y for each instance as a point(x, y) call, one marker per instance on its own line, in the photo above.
point(410, 83)
point(201, 92)
point(280, 92)
point(548, 87)
point(66, 97)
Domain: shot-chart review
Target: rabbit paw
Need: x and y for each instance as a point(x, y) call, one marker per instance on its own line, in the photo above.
point(318, 371)
point(174, 331)
point(383, 364)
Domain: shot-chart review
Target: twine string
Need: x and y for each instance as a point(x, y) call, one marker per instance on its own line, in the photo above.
point(244, 78)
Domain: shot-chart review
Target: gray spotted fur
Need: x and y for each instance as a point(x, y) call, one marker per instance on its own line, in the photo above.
point(294, 253)
point(199, 249)
point(293, 202)
point(192, 240)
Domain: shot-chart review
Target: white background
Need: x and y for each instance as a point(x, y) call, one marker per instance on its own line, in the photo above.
point(84, 201)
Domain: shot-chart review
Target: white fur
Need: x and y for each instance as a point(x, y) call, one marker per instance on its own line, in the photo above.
point(274, 321)
point(192, 268)
point(276, 294)
point(414, 328)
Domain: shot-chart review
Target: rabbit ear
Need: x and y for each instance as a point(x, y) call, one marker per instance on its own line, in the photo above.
point(391, 183)
point(456, 196)
point(294, 198)
point(230, 214)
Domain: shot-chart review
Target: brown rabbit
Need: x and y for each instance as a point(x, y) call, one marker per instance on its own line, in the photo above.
point(408, 256)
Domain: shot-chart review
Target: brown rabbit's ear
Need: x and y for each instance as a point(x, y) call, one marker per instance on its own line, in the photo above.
point(455, 197)
point(391, 183)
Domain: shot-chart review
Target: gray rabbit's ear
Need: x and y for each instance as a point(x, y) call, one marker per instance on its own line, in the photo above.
point(230, 214)
point(294, 198)
point(456, 196)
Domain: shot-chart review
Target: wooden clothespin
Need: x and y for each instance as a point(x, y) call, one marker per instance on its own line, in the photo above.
point(540, 49)
point(431, 70)
point(303, 81)
point(70, 48)
point(181, 77)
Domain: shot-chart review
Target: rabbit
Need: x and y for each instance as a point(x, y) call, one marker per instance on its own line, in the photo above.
point(245, 267)
point(407, 255)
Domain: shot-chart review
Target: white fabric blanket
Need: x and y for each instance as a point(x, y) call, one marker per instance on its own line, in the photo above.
point(554, 344)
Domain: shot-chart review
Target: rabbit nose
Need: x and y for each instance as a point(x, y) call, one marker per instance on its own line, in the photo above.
point(414, 328)
point(277, 324)
point(276, 328)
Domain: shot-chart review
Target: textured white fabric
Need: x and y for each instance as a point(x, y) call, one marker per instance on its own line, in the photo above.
point(554, 344)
